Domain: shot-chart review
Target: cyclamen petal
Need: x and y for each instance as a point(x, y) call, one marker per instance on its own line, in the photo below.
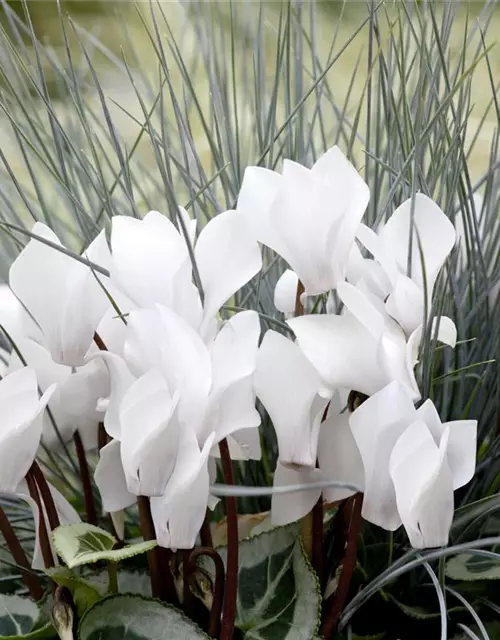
point(227, 256)
point(289, 388)
point(179, 513)
point(338, 457)
point(146, 256)
point(110, 479)
point(61, 293)
point(285, 292)
point(150, 432)
point(424, 486)
point(289, 507)
point(376, 426)
point(21, 425)
point(308, 216)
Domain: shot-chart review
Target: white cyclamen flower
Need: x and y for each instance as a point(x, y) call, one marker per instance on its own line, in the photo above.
point(151, 263)
point(363, 349)
point(294, 396)
point(61, 294)
point(431, 239)
point(73, 404)
point(413, 463)
point(172, 399)
point(20, 432)
point(308, 216)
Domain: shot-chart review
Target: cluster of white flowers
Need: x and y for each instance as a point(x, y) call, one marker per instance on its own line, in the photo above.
point(171, 380)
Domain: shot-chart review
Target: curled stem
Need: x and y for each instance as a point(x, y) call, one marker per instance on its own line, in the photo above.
point(231, 588)
point(218, 588)
point(17, 552)
point(335, 604)
point(88, 495)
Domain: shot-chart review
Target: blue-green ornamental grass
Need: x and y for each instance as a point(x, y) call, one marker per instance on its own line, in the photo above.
point(250, 323)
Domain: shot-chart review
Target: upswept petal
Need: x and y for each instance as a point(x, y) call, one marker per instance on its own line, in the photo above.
point(227, 256)
point(234, 351)
point(149, 435)
point(303, 214)
point(231, 411)
point(60, 293)
point(423, 485)
point(376, 426)
point(433, 235)
point(375, 245)
point(258, 191)
point(341, 350)
point(406, 304)
point(146, 256)
point(361, 308)
point(461, 450)
point(285, 292)
point(338, 457)
point(179, 513)
point(288, 387)
point(110, 479)
point(21, 425)
point(120, 380)
point(143, 337)
point(186, 366)
point(289, 507)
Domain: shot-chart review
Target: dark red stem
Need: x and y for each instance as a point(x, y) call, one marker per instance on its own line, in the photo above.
point(102, 436)
point(218, 588)
point(299, 307)
point(99, 342)
point(188, 602)
point(335, 604)
point(17, 551)
point(46, 495)
point(148, 533)
point(88, 495)
point(43, 536)
point(231, 589)
point(206, 533)
point(317, 540)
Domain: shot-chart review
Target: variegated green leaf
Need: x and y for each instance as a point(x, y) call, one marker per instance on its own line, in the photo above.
point(82, 543)
point(130, 617)
point(278, 592)
point(473, 567)
point(19, 617)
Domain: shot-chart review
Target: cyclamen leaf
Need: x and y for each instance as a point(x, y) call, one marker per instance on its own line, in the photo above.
point(84, 593)
point(18, 617)
point(83, 543)
point(471, 567)
point(278, 592)
point(130, 617)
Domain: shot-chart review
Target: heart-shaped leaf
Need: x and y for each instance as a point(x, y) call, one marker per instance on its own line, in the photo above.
point(278, 592)
point(83, 543)
point(130, 617)
point(18, 618)
point(466, 566)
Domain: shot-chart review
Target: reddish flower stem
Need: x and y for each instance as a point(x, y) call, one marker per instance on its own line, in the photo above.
point(99, 342)
point(43, 536)
point(218, 588)
point(88, 495)
point(317, 540)
point(299, 307)
point(188, 602)
point(46, 495)
point(17, 551)
point(148, 533)
point(335, 604)
point(102, 436)
point(231, 588)
point(206, 533)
